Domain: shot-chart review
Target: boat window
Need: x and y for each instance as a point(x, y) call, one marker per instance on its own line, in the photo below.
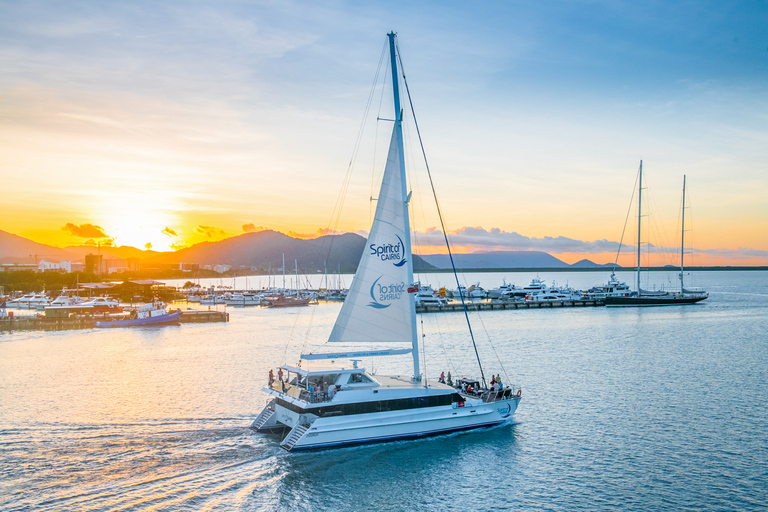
point(359, 378)
point(329, 379)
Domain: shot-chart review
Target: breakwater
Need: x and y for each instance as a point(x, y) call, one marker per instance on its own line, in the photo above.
point(73, 322)
point(491, 305)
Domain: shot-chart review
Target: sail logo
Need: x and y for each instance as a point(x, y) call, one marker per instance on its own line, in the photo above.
point(384, 294)
point(390, 252)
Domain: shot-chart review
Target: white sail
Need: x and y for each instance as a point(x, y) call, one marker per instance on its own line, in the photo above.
point(378, 306)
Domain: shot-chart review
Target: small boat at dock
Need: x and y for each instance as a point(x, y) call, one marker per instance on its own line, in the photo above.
point(153, 313)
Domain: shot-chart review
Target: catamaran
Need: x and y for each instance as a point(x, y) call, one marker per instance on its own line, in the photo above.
point(321, 405)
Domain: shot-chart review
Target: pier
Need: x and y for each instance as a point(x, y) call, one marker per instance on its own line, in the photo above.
point(72, 322)
point(492, 306)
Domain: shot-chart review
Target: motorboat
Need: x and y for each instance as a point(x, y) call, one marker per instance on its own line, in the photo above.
point(426, 296)
point(150, 314)
point(242, 299)
point(102, 304)
point(30, 301)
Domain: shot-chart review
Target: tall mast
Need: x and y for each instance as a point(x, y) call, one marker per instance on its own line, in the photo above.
point(682, 241)
point(407, 242)
point(639, 215)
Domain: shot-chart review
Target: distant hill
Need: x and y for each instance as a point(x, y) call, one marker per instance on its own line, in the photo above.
point(17, 249)
point(78, 252)
point(497, 259)
point(265, 250)
point(591, 264)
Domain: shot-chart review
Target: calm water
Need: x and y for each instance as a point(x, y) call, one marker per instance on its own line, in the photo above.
point(637, 408)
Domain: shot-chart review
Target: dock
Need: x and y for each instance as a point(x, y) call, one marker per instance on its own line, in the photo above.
point(492, 306)
point(72, 322)
point(189, 317)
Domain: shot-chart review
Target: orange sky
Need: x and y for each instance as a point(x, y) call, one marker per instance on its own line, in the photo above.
point(168, 131)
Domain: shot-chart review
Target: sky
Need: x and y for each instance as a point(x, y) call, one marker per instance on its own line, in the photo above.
point(165, 124)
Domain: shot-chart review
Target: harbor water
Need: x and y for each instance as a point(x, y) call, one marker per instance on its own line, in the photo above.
point(623, 408)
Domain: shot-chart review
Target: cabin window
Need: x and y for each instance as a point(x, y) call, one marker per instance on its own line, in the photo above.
point(329, 379)
point(359, 378)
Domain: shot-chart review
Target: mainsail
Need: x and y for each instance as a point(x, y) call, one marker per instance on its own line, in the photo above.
point(378, 306)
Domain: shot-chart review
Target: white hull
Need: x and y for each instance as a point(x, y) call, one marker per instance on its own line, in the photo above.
point(389, 426)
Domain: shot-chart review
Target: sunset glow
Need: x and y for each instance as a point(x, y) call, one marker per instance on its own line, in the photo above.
point(165, 126)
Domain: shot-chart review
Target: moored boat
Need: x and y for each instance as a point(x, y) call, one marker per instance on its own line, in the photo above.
point(153, 313)
point(642, 297)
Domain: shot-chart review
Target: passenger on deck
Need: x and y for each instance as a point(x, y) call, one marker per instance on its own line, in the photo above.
point(271, 377)
point(331, 391)
point(450, 381)
point(493, 381)
point(442, 377)
point(280, 373)
point(498, 381)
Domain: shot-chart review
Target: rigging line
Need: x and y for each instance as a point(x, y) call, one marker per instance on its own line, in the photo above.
point(440, 215)
point(490, 342)
point(306, 333)
point(442, 343)
point(290, 337)
point(336, 212)
point(371, 198)
point(626, 221)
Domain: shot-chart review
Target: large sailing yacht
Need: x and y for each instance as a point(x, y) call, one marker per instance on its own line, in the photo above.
point(657, 297)
point(321, 405)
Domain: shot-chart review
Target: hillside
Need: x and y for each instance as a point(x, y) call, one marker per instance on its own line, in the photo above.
point(497, 259)
point(17, 249)
point(265, 250)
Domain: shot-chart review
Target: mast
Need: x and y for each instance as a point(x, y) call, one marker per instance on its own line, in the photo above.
point(682, 241)
point(639, 215)
point(407, 242)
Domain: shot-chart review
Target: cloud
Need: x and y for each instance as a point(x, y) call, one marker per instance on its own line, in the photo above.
point(736, 254)
point(328, 231)
point(177, 246)
point(251, 228)
point(495, 239)
point(209, 231)
point(168, 231)
point(85, 230)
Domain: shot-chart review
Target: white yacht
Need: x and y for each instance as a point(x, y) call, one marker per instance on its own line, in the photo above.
point(30, 301)
point(102, 304)
point(426, 296)
point(242, 299)
point(67, 297)
point(553, 294)
point(614, 288)
point(322, 406)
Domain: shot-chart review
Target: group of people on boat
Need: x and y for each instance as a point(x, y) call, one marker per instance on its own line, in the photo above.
point(311, 391)
point(472, 387)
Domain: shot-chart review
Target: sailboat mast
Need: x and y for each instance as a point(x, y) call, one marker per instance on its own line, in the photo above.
point(407, 242)
point(639, 216)
point(682, 240)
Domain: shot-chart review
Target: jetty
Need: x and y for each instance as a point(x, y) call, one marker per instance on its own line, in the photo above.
point(73, 322)
point(500, 305)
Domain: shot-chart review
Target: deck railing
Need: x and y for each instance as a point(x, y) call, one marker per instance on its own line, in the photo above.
point(313, 397)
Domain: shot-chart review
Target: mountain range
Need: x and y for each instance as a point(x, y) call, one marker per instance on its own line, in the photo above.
point(265, 250)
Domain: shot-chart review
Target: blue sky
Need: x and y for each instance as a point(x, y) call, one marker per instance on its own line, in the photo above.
point(535, 115)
